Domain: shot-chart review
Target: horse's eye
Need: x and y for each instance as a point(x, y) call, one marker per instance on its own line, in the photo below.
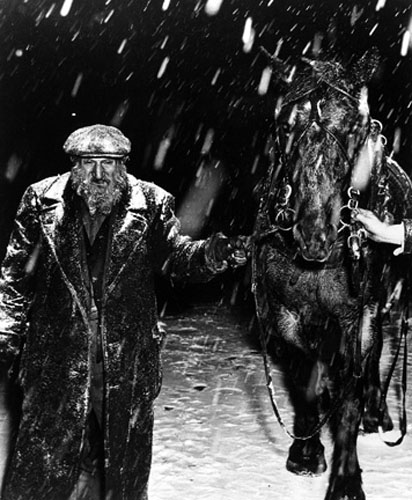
point(285, 128)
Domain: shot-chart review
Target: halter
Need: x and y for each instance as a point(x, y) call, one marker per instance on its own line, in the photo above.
point(284, 214)
point(316, 115)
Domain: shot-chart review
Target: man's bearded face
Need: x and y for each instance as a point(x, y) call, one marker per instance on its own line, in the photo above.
point(100, 181)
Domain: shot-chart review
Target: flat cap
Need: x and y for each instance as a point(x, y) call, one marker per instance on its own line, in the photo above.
point(97, 140)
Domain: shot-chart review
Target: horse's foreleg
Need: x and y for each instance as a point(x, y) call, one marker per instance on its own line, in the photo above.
point(345, 481)
point(306, 457)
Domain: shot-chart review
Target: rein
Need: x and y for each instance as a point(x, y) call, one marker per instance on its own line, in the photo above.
point(403, 418)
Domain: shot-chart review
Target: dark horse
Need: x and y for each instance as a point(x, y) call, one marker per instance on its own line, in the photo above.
point(320, 286)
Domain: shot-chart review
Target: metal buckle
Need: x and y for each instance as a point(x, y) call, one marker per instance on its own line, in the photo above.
point(284, 219)
point(354, 244)
point(285, 195)
point(352, 204)
point(353, 192)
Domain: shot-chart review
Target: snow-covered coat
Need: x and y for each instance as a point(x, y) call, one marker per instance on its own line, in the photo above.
point(44, 315)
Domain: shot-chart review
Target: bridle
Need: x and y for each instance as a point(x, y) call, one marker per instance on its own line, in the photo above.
point(283, 213)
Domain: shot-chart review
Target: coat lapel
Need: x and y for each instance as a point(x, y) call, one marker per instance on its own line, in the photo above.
point(129, 227)
point(63, 231)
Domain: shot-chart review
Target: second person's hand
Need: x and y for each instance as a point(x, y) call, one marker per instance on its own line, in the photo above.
point(379, 231)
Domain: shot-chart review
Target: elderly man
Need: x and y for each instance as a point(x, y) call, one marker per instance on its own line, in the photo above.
point(77, 302)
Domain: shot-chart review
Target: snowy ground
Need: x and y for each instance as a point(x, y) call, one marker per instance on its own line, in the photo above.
point(216, 437)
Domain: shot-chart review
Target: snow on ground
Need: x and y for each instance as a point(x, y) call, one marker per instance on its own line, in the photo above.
point(216, 437)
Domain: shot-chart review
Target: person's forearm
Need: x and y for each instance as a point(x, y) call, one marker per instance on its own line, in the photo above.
point(407, 235)
point(394, 234)
point(381, 232)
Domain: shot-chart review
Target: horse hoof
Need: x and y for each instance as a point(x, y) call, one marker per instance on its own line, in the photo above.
point(370, 421)
point(345, 488)
point(306, 458)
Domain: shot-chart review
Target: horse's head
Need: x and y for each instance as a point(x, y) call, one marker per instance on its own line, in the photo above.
point(322, 124)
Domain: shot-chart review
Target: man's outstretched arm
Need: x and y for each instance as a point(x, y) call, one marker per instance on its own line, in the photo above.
point(185, 259)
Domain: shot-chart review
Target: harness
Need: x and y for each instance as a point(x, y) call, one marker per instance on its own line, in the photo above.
point(282, 221)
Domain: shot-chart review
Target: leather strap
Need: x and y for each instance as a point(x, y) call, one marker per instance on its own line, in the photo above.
point(407, 224)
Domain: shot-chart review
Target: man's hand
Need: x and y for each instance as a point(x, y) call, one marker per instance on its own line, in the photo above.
point(237, 246)
point(380, 231)
point(228, 251)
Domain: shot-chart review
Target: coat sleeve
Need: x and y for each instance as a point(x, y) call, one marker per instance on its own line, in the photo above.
point(178, 256)
point(16, 278)
point(407, 247)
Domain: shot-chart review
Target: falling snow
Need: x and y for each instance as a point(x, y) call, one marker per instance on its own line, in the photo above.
point(212, 7)
point(188, 83)
point(406, 39)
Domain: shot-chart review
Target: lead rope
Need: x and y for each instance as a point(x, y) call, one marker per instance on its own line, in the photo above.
point(383, 195)
point(358, 239)
point(403, 420)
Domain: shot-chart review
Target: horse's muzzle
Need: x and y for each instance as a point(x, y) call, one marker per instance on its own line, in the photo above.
point(315, 244)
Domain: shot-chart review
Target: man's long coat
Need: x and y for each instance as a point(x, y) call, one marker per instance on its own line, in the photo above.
point(44, 315)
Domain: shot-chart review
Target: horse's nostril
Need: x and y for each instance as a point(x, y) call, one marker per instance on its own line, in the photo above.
point(315, 243)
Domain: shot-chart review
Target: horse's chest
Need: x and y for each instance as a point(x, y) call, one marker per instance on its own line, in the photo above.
point(297, 287)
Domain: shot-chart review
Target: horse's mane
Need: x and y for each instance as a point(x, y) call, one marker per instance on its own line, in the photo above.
point(300, 76)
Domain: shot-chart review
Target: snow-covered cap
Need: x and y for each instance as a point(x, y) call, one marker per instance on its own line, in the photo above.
point(97, 140)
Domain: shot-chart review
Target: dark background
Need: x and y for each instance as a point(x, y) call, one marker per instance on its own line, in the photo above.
point(101, 63)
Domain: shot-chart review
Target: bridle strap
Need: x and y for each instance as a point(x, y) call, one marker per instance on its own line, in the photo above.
point(324, 129)
point(341, 91)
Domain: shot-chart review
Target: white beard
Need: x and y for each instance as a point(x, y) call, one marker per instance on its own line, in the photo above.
point(101, 197)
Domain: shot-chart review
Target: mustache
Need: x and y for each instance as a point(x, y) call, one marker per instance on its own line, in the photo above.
point(101, 180)
point(100, 194)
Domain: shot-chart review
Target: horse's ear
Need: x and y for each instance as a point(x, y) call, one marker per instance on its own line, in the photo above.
point(281, 70)
point(363, 69)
